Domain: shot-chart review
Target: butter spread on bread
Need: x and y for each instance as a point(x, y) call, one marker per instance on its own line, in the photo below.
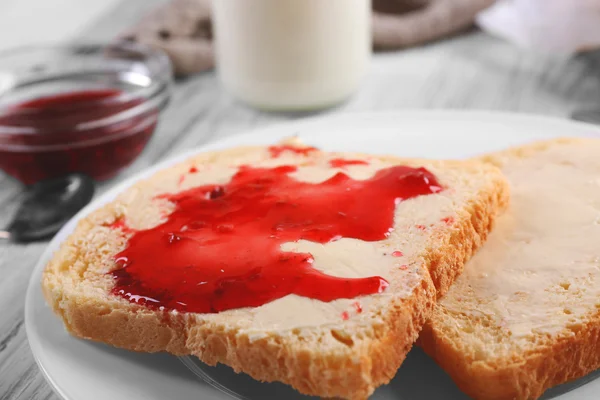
point(525, 314)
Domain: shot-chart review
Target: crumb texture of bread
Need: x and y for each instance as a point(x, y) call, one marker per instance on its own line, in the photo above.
point(328, 349)
point(525, 314)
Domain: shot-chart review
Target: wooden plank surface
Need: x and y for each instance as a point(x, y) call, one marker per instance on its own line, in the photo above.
point(473, 71)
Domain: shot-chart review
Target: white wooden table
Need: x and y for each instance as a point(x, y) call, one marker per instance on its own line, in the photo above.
point(472, 71)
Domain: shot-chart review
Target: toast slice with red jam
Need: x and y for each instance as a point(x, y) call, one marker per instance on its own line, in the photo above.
point(287, 263)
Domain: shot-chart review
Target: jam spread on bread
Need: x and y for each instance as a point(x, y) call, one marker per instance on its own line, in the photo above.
point(276, 151)
point(220, 248)
point(341, 162)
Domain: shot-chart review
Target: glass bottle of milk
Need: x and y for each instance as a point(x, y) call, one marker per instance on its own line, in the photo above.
point(292, 55)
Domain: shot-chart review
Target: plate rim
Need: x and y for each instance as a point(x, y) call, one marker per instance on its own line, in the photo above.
point(270, 129)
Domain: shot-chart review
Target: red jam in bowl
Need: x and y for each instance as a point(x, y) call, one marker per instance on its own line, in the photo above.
point(71, 132)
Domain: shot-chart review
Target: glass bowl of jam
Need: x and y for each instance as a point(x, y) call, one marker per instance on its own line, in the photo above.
point(87, 108)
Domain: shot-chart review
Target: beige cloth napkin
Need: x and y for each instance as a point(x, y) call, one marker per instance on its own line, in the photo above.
point(403, 23)
point(182, 28)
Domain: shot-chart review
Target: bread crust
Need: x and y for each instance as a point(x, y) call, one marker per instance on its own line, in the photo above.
point(530, 374)
point(564, 360)
point(353, 368)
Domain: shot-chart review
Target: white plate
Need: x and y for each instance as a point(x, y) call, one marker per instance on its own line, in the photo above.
point(81, 370)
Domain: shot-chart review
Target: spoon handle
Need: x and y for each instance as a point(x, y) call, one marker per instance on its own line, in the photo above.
point(591, 116)
point(46, 206)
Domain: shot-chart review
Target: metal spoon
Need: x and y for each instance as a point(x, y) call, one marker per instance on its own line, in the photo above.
point(591, 116)
point(47, 205)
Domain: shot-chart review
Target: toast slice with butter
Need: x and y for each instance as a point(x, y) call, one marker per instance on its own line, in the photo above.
point(525, 314)
point(287, 263)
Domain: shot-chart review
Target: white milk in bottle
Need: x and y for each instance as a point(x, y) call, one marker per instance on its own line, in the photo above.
point(292, 54)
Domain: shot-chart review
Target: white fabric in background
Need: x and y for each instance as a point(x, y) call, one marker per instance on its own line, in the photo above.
point(26, 22)
point(560, 26)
